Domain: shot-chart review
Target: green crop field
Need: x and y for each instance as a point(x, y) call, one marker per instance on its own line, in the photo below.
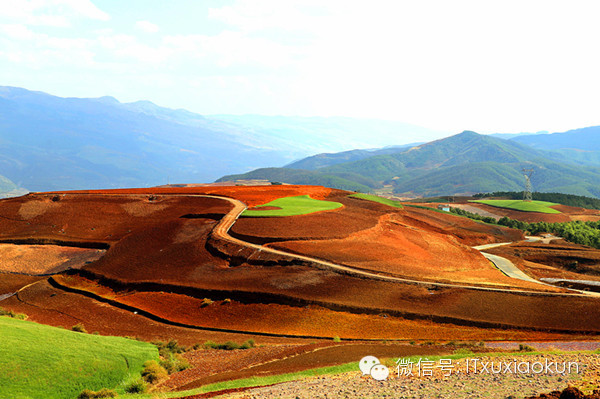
point(518, 205)
point(375, 198)
point(292, 206)
point(39, 361)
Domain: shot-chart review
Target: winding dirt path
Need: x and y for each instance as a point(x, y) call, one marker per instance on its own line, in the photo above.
point(222, 231)
point(511, 270)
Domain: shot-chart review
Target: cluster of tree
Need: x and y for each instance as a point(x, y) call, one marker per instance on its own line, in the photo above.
point(474, 216)
point(583, 233)
point(560, 198)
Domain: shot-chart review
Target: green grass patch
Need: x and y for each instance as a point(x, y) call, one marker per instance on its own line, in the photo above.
point(39, 361)
point(375, 198)
point(293, 206)
point(519, 205)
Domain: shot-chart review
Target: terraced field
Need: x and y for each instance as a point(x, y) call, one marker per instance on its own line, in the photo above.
point(525, 206)
point(181, 263)
point(291, 206)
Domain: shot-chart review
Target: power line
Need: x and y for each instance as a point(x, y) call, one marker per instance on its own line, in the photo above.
point(527, 193)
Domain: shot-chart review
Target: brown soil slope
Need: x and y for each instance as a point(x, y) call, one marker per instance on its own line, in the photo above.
point(403, 250)
point(93, 218)
point(568, 213)
point(467, 231)
point(250, 195)
point(558, 259)
point(44, 259)
point(356, 215)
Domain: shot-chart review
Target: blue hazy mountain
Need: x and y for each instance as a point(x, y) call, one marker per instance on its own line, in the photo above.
point(578, 146)
point(49, 142)
point(334, 134)
point(584, 139)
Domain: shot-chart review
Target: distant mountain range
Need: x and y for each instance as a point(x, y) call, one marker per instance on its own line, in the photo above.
point(329, 159)
point(462, 164)
point(54, 143)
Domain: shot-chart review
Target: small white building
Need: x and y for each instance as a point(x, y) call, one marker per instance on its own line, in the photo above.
point(445, 208)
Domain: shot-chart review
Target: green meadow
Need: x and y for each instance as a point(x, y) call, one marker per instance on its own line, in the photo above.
point(519, 205)
point(375, 198)
point(292, 206)
point(38, 361)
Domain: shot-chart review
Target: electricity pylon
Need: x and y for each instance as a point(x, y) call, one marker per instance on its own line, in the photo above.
point(527, 193)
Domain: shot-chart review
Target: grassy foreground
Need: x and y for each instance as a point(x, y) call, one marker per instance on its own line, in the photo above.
point(375, 198)
point(39, 361)
point(293, 206)
point(518, 205)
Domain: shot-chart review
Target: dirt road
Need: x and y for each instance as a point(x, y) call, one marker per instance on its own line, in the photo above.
point(222, 231)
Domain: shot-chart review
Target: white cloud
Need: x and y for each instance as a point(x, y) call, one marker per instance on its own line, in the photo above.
point(256, 15)
point(230, 48)
point(521, 65)
point(84, 8)
point(57, 13)
point(18, 32)
point(497, 65)
point(146, 26)
point(127, 47)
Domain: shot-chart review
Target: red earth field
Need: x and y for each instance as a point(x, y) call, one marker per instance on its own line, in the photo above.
point(556, 259)
point(568, 213)
point(159, 263)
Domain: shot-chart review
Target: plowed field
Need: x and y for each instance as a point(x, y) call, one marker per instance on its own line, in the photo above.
point(44, 259)
point(568, 213)
point(164, 257)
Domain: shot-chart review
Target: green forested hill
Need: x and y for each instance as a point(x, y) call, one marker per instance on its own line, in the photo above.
point(296, 176)
point(329, 159)
point(466, 163)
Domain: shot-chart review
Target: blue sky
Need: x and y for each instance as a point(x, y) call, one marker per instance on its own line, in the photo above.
point(488, 66)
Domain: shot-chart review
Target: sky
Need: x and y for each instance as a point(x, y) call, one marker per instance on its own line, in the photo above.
point(488, 66)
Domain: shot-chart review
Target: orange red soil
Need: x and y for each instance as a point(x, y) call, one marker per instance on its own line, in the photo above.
point(250, 195)
point(308, 320)
point(155, 245)
point(94, 218)
point(558, 259)
point(10, 283)
point(304, 358)
point(568, 213)
point(44, 259)
point(208, 363)
point(394, 247)
point(170, 252)
point(345, 293)
point(467, 231)
point(47, 305)
point(356, 215)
